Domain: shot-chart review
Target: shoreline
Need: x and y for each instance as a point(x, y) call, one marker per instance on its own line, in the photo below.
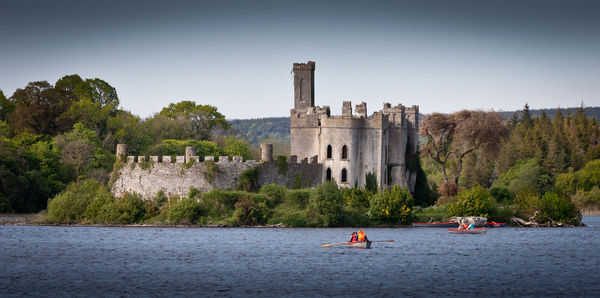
point(34, 219)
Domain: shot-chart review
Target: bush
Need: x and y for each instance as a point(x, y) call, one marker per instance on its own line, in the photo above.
point(219, 203)
point(125, 210)
point(252, 209)
point(502, 195)
point(476, 201)
point(184, 210)
point(393, 206)
point(357, 198)
point(526, 175)
point(274, 192)
point(69, 206)
point(248, 180)
point(556, 208)
point(298, 197)
point(327, 202)
point(371, 182)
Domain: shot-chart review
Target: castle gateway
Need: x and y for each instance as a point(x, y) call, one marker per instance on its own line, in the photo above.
point(353, 145)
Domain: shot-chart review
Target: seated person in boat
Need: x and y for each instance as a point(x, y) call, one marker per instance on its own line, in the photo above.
point(362, 237)
point(471, 226)
point(354, 237)
point(463, 226)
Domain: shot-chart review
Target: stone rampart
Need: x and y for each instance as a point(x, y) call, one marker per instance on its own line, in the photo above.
point(175, 177)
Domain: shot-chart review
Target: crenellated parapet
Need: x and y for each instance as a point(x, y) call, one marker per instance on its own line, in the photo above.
point(175, 176)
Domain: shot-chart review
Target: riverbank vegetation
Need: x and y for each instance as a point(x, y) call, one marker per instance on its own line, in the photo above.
point(89, 202)
point(57, 150)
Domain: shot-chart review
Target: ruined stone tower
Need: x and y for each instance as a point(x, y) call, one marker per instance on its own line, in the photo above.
point(352, 146)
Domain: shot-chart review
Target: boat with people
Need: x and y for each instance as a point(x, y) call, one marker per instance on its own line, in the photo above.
point(435, 224)
point(467, 231)
point(493, 224)
point(359, 244)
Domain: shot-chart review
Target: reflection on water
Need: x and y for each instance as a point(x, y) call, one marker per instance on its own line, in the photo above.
point(79, 261)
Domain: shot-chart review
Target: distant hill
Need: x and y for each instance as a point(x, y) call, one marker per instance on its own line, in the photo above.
point(256, 130)
point(278, 128)
point(592, 112)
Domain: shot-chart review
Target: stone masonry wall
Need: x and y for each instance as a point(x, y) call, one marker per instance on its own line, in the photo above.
point(147, 178)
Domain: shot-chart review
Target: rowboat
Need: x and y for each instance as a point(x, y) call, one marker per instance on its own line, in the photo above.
point(493, 224)
point(435, 224)
point(364, 244)
point(467, 231)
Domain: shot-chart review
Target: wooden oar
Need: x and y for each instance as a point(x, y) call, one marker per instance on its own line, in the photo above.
point(382, 240)
point(332, 244)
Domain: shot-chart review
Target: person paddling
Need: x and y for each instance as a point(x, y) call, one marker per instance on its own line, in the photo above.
point(354, 237)
point(362, 237)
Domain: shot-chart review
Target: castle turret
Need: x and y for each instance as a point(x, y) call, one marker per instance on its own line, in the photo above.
point(304, 85)
point(189, 152)
point(266, 152)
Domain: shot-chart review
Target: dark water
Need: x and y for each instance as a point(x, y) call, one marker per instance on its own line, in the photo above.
point(92, 261)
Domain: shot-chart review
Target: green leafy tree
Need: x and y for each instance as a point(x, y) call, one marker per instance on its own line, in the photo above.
point(476, 201)
point(198, 121)
point(392, 206)
point(327, 202)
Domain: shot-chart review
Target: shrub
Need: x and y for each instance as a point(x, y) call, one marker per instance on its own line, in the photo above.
point(526, 175)
point(476, 201)
point(252, 209)
point(357, 198)
point(298, 197)
point(556, 208)
point(526, 203)
point(274, 192)
point(327, 202)
point(502, 195)
point(371, 182)
point(282, 164)
point(69, 206)
point(212, 169)
point(184, 210)
point(248, 180)
point(125, 210)
point(393, 206)
point(219, 202)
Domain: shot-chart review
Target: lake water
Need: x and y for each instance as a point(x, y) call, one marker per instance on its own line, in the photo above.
point(97, 261)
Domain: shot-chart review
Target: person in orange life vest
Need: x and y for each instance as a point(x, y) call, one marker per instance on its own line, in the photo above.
point(354, 237)
point(463, 226)
point(362, 237)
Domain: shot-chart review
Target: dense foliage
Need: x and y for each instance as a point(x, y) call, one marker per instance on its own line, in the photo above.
point(53, 135)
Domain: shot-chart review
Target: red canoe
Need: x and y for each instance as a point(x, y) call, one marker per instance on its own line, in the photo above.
point(493, 224)
point(435, 224)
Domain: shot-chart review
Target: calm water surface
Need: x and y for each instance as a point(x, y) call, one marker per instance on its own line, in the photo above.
point(93, 261)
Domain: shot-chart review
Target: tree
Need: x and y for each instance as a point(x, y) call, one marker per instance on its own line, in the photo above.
point(455, 136)
point(198, 121)
point(41, 109)
point(95, 90)
point(6, 107)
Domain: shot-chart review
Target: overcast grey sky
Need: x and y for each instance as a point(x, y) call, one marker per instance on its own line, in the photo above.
point(237, 55)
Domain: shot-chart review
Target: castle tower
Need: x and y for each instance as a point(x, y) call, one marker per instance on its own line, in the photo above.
point(266, 152)
point(304, 85)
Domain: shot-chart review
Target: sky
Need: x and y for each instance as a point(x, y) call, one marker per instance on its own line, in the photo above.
point(442, 55)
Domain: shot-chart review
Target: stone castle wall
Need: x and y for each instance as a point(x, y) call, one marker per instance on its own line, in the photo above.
point(148, 177)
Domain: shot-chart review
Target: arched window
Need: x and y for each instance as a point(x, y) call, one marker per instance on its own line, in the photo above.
point(328, 177)
point(344, 152)
point(328, 151)
point(344, 175)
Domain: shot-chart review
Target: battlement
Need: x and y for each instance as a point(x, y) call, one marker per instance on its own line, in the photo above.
point(167, 159)
point(310, 65)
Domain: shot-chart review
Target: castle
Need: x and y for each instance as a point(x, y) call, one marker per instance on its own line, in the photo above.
point(351, 146)
point(345, 149)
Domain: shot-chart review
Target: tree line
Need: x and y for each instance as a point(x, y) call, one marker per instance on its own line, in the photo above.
point(53, 135)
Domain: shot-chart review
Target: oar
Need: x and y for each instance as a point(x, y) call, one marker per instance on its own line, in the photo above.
point(332, 244)
point(382, 240)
